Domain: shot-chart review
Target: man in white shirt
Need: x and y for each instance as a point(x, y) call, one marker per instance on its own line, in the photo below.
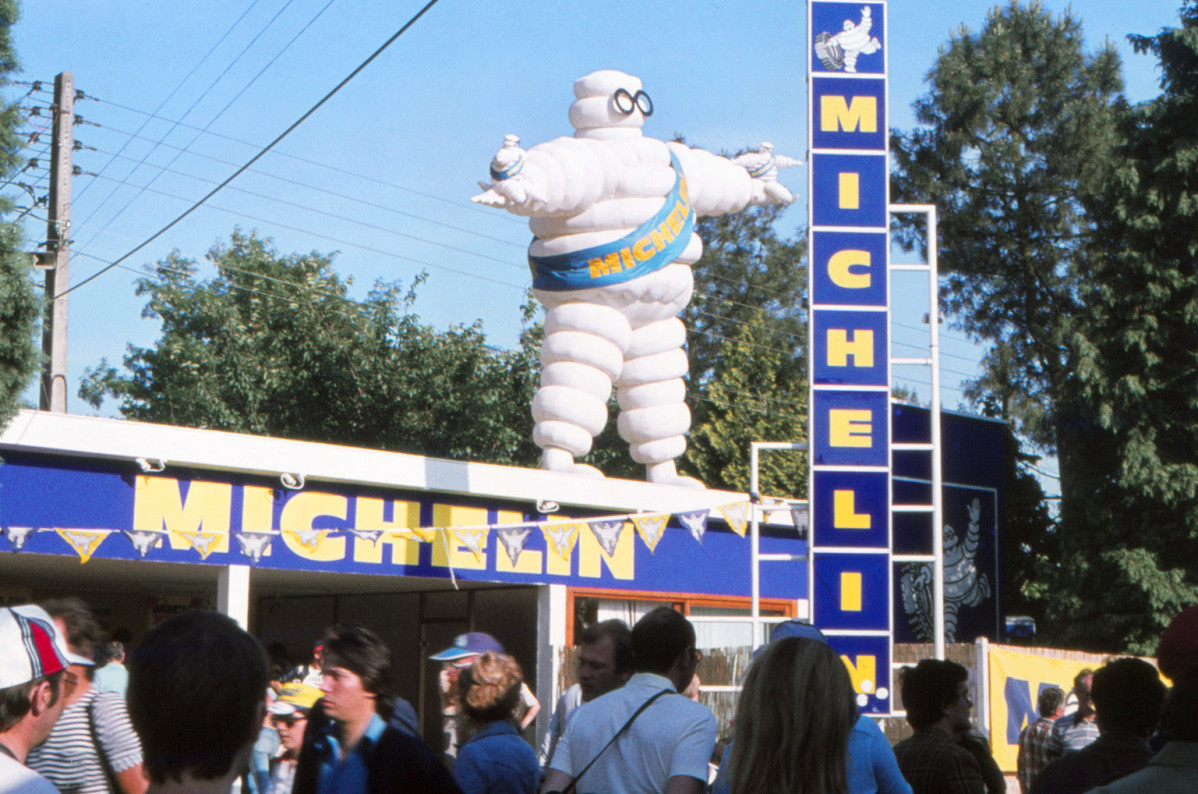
point(34, 685)
point(667, 746)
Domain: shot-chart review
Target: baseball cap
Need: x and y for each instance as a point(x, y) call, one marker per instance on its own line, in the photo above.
point(31, 647)
point(295, 697)
point(793, 628)
point(474, 643)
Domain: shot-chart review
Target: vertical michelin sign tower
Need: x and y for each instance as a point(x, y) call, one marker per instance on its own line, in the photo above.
point(849, 296)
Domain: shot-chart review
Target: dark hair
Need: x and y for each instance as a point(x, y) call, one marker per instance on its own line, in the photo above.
point(359, 650)
point(84, 635)
point(16, 701)
point(1051, 698)
point(659, 638)
point(489, 689)
point(197, 687)
point(1179, 720)
point(621, 641)
point(929, 688)
point(1079, 680)
point(1128, 695)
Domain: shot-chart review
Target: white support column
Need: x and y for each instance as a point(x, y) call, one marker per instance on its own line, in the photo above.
point(551, 638)
point(233, 594)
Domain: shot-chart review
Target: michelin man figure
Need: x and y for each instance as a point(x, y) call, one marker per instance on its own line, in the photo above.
point(855, 40)
point(612, 213)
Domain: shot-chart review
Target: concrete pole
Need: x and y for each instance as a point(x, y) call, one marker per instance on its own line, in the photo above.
point(58, 243)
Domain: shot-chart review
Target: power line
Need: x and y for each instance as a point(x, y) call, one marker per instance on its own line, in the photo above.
point(229, 104)
point(257, 156)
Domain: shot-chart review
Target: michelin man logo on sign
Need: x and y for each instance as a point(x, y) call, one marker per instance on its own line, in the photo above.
point(840, 51)
point(612, 213)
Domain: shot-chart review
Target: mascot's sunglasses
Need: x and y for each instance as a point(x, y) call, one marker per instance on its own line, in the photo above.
point(627, 102)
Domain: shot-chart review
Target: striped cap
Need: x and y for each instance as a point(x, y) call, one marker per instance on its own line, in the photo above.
point(31, 647)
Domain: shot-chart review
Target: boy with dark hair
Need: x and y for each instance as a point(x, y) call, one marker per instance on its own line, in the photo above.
point(349, 747)
point(197, 686)
point(937, 698)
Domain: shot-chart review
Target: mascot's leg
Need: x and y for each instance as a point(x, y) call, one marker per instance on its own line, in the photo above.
point(652, 397)
point(583, 353)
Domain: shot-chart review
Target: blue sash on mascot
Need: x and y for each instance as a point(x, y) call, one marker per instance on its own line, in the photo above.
point(651, 246)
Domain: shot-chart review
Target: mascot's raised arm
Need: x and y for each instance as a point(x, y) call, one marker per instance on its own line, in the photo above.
point(613, 213)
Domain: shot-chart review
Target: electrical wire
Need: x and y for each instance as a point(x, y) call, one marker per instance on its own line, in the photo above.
point(259, 155)
point(180, 84)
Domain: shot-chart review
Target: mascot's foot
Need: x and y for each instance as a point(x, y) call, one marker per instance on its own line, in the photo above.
point(563, 462)
point(667, 474)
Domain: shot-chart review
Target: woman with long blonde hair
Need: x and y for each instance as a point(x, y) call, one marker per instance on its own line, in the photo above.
point(793, 721)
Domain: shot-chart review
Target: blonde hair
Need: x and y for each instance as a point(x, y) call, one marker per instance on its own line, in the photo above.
point(490, 688)
point(793, 722)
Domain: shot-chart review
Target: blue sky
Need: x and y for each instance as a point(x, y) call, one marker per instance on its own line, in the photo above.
point(384, 171)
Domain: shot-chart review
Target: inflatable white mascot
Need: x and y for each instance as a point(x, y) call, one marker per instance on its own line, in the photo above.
point(612, 213)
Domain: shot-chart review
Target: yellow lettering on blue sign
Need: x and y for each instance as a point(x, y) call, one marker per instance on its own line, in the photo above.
point(861, 347)
point(863, 673)
point(368, 514)
point(602, 266)
point(849, 195)
point(301, 512)
point(592, 557)
point(159, 505)
point(850, 591)
point(850, 427)
point(844, 511)
point(860, 114)
point(448, 552)
point(840, 269)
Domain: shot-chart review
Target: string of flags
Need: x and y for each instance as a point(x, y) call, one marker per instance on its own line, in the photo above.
point(561, 535)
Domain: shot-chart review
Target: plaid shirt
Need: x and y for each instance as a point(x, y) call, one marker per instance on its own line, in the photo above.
point(934, 764)
point(1033, 751)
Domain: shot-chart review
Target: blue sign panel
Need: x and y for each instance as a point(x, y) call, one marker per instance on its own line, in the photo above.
point(854, 348)
point(849, 268)
point(868, 662)
point(849, 114)
point(854, 591)
point(850, 428)
point(847, 38)
point(851, 508)
point(849, 190)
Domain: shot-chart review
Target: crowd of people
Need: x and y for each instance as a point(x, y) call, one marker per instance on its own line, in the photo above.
point(199, 708)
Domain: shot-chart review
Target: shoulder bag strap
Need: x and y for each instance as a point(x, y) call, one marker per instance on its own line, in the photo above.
point(109, 774)
point(574, 782)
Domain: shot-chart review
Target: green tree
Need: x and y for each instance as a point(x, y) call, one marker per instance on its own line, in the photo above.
point(747, 342)
point(1017, 144)
point(19, 304)
point(1133, 563)
point(273, 345)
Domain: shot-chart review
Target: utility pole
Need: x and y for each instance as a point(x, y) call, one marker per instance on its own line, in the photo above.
point(58, 247)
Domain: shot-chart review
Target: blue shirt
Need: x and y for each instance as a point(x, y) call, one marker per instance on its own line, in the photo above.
point(497, 761)
point(348, 776)
point(869, 763)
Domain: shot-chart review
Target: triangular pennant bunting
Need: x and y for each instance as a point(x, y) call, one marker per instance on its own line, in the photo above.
point(799, 516)
point(18, 535)
point(203, 542)
point(309, 539)
point(84, 541)
point(254, 544)
point(734, 514)
point(424, 534)
point(607, 533)
point(695, 522)
point(651, 528)
point(373, 535)
point(144, 540)
point(561, 538)
point(473, 538)
point(513, 540)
